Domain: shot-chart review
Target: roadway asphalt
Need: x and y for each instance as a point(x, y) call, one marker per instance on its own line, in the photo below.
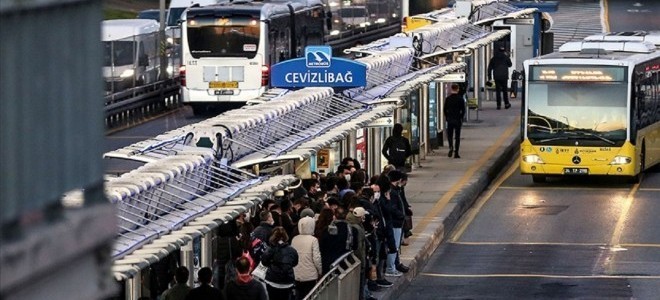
point(443, 188)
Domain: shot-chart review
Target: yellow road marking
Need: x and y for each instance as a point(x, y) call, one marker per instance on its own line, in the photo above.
point(618, 229)
point(640, 245)
point(606, 17)
point(442, 202)
point(116, 137)
point(561, 188)
point(631, 245)
point(530, 243)
point(540, 276)
point(472, 213)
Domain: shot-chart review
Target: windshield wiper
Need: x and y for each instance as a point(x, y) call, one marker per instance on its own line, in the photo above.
point(572, 134)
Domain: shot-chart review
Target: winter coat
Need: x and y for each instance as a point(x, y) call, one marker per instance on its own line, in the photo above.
point(396, 209)
point(454, 109)
point(280, 260)
point(334, 244)
point(499, 66)
point(263, 231)
point(245, 289)
point(361, 251)
point(309, 253)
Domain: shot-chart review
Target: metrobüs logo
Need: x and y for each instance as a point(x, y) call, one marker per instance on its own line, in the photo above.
point(318, 56)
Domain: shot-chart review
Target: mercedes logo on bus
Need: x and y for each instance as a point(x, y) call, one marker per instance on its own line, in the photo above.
point(576, 160)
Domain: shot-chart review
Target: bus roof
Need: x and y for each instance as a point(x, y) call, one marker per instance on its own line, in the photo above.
point(607, 49)
point(265, 10)
point(113, 30)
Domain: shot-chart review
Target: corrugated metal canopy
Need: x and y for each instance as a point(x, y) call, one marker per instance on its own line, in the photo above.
point(494, 11)
point(318, 140)
point(164, 245)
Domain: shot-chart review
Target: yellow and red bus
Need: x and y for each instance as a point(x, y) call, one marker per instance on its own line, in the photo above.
point(593, 108)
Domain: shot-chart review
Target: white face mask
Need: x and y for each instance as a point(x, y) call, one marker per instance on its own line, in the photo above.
point(376, 195)
point(348, 177)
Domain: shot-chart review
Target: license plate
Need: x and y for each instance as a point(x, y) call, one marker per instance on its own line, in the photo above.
point(223, 92)
point(223, 84)
point(576, 171)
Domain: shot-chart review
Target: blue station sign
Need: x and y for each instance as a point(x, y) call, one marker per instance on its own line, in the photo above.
point(318, 69)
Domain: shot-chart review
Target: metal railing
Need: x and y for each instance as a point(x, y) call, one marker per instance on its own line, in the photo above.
point(135, 104)
point(341, 282)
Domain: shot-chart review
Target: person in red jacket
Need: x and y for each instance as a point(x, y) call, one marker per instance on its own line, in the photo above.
point(245, 287)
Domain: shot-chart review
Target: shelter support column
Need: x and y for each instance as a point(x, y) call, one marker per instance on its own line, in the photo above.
point(188, 261)
point(134, 286)
point(424, 124)
point(351, 145)
point(441, 115)
point(206, 258)
point(374, 145)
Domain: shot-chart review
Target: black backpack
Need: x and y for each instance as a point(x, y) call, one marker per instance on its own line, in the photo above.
point(397, 150)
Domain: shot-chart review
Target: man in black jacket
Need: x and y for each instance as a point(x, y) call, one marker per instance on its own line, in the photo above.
point(397, 148)
point(338, 239)
point(454, 110)
point(205, 291)
point(499, 68)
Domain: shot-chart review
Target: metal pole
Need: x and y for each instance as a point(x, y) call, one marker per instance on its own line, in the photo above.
point(188, 261)
point(424, 130)
point(133, 290)
point(162, 42)
point(441, 109)
point(207, 251)
point(350, 143)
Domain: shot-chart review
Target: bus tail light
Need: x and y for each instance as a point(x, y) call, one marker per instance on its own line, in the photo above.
point(182, 75)
point(621, 160)
point(265, 75)
point(532, 159)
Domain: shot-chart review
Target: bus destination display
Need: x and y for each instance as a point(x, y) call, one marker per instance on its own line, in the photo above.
point(577, 73)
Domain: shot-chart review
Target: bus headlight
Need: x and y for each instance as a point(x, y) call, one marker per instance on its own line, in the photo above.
point(127, 73)
point(621, 160)
point(532, 159)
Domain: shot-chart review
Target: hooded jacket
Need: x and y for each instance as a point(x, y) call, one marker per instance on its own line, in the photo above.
point(280, 260)
point(499, 66)
point(245, 288)
point(361, 251)
point(309, 253)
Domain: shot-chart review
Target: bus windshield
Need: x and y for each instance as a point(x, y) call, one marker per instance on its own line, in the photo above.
point(118, 53)
point(174, 16)
point(588, 113)
point(235, 36)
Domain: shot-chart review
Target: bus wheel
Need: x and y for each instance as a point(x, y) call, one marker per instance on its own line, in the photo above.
point(538, 178)
point(198, 109)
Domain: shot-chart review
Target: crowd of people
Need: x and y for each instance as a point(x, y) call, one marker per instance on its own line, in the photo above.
point(292, 241)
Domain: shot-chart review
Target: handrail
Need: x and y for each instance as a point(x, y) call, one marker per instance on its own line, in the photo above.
point(127, 107)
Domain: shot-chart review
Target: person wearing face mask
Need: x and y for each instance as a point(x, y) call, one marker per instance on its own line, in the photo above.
point(375, 235)
point(265, 228)
point(397, 211)
point(343, 185)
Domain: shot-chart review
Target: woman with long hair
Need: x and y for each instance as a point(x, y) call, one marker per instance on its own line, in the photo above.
point(325, 218)
point(280, 259)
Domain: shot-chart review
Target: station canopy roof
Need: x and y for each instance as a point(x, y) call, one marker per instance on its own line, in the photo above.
point(492, 11)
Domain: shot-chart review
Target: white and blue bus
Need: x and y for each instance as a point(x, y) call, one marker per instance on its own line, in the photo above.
point(228, 48)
